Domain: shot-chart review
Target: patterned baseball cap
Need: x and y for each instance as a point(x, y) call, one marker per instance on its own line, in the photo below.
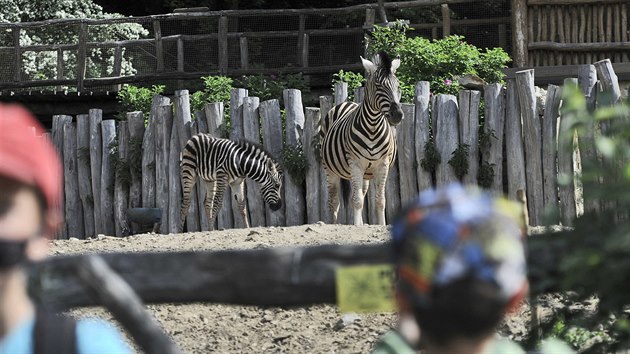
point(455, 232)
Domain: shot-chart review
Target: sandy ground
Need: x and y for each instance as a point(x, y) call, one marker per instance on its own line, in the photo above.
point(204, 328)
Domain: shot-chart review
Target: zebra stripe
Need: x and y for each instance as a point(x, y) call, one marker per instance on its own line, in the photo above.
point(359, 142)
point(220, 162)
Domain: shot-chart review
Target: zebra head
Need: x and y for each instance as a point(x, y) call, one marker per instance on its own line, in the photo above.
point(382, 89)
point(271, 185)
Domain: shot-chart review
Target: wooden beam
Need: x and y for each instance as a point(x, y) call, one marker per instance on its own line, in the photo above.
point(81, 57)
point(223, 45)
point(17, 59)
point(244, 53)
point(159, 46)
point(289, 276)
point(446, 20)
point(571, 2)
point(578, 47)
point(519, 33)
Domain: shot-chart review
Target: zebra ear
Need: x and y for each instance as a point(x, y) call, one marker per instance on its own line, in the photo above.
point(395, 65)
point(369, 67)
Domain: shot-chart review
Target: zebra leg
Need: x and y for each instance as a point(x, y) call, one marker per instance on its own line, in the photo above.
point(238, 194)
point(357, 192)
point(333, 196)
point(188, 178)
point(221, 185)
point(211, 190)
point(380, 179)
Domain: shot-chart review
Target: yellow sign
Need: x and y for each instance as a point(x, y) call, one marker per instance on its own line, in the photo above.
point(365, 288)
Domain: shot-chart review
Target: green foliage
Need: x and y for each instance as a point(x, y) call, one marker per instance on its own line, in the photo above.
point(268, 87)
point(440, 61)
point(134, 98)
point(216, 89)
point(295, 163)
point(459, 161)
point(354, 81)
point(485, 176)
point(431, 158)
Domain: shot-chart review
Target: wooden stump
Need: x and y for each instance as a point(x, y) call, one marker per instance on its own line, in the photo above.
point(294, 189)
point(446, 137)
point(85, 175)
point(313, 183)
point(108, 131)
point(74, 210)
point(251, 131)
point(422, 131)
point(495, 122)
point(121, 187)
point(164, 126)
point(272, 129)
point(515, 156)
point(469, 131)
point(136, 134)
point(96, 161)
point(407, 155)
point(549, 149)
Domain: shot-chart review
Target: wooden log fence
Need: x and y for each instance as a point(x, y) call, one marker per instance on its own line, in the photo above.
point(531, 153)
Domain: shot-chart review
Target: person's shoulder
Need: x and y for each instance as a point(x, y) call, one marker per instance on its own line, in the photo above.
point(98, 336)
point(392, 343)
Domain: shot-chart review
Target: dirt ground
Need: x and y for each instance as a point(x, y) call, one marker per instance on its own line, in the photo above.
point(204, 328)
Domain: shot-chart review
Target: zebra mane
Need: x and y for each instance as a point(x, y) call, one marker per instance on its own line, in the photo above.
point(244, 143)
point(383, 61)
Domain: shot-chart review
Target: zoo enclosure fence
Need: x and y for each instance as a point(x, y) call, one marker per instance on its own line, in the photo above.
point(91, 55)
point(526, 156)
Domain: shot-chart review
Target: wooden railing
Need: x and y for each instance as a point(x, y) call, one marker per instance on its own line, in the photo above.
point(233, 53)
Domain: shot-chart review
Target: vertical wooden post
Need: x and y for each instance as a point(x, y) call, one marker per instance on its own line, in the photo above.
point(121, 188)
point(96, 157)
point(587, 80)
point(174, 181)
point(117, 64)
point(200, 126)
point(566, 171)
point(251, 132)
point(237, 96)
point(609, 81)
point(272, 129)
point(74, 210)
point(180, 60)
point(344, 215)
point(81, 56)
point(519, 30)
point(60, 64)
point(244, 53)
point(422, 131)
point(159, 46)
point(325, 104)
point(216, 125)
point(148, 164)
point(446, 136)
point(381, 11)
point(446, 21)
point(313, 183)
point(108, 130)
point(300, 43)
point(182, 121)
point(294, 190)
point(164, 126)
point(495, 122)
point(407, 155)
point(469, 131)
point(84, 174)
point(514, 142)
point(223, 44)
point(533, 152)
point(17, 58)
point(392, 192)
point(305, 50)
point(58, 141)
point(549, 149)
point(136, 134)
point(368, 26)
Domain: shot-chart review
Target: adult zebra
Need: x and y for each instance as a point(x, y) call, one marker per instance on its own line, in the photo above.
point(220, 162)
point(358, 141)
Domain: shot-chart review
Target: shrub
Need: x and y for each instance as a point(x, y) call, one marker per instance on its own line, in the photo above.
point(135, 98)
point(268, 87)
point(354, 81)
point(216, 89)
point(440, 62)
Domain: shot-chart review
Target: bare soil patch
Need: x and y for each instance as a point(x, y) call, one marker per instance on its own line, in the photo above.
point(204, 328)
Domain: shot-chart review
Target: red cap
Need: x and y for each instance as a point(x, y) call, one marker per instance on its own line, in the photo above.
point(27, 156)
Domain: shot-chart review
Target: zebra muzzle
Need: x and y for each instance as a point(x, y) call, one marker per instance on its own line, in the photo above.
point(395, 114)
point(275, 206)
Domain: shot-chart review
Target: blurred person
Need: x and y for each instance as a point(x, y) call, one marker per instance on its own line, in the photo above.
point(30, 212)
point(460, 266)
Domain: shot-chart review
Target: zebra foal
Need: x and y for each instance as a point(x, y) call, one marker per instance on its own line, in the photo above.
point(220, 162)
point(358, 140)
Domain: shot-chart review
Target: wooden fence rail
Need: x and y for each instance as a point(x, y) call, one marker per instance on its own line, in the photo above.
point(533, 160)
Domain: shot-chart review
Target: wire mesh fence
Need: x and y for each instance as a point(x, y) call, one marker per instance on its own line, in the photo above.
point(97, 55)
